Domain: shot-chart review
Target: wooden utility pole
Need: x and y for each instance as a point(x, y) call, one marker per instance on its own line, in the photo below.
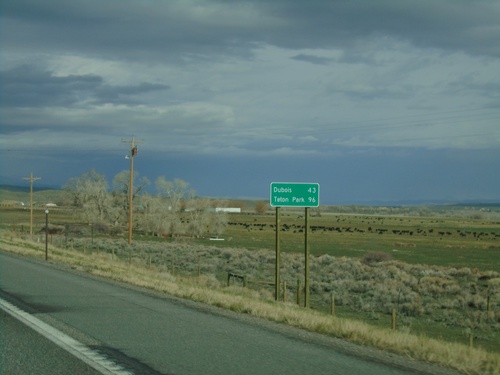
point(31, 179)
point(133, 153)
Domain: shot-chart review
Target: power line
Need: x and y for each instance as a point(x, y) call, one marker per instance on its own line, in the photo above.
point(408, 122)
point(447, 137)
point(432, 114)
point(404, 122)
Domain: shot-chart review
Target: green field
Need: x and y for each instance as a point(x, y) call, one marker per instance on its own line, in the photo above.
point(453, 242)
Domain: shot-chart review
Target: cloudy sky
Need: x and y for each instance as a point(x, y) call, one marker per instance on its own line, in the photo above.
point(378, 101)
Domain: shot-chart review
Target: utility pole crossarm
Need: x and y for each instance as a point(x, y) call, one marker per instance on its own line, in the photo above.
point(133, 145)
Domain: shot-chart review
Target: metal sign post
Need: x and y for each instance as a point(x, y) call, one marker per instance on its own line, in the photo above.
point(277, 270)
point(293, 194)
point(306, 259)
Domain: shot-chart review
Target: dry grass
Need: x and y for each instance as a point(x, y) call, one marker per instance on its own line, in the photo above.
point(207, 290)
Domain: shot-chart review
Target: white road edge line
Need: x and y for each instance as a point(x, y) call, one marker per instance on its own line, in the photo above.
point(82, 352)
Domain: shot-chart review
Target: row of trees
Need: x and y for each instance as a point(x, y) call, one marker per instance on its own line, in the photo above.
point(174, 210)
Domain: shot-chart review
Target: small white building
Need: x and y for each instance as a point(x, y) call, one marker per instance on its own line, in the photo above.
point(228, 209)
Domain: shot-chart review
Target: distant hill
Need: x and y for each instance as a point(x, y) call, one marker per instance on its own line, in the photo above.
point(13, 193)
point(491, 203)
point(24, 189)
point(478, 204)
point(15, 189)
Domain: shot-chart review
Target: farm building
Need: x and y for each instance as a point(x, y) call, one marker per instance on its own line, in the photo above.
point(228, 209)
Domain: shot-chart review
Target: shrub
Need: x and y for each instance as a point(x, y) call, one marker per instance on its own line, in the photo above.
point(209, 281)
point(375, 257)
point(438, 285)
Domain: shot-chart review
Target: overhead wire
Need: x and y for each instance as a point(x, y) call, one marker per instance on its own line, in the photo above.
point(410, 122)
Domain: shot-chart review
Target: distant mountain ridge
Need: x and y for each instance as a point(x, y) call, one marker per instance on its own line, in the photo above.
point(431, 202)
point(25, 189)
point(481, 203)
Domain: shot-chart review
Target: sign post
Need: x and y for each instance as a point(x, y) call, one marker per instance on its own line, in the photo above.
point(306, 259)
point(293, 194)
point(277, 280)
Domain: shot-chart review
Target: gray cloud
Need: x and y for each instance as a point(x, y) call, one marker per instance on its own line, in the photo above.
point(125, 94)
point(183, 32)
point(28, 86)
point(313, 59)
point(449, 25)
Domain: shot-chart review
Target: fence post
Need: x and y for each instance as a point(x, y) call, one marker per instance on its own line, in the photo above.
point(228, 278)
point(298, 292)
point(488, 307)
point(393, 325)
point(244, 282)
point(332, 302)
point(284, 291)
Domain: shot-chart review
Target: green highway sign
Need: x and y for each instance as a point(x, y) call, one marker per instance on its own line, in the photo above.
point(294, 194)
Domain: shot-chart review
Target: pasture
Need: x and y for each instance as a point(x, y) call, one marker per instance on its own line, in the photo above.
point(448, 241)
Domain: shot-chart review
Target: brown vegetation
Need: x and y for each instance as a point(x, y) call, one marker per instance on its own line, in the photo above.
point(207, 289)
point(373, 285)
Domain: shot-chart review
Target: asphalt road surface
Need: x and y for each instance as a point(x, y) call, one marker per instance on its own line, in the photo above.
point(24, 351)
point(146, 333)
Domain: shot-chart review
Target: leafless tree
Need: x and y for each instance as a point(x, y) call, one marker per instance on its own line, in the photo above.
point(218, 221)
point(261, 207)
point(90, 193)
point(153, 213)
point(174, 194)
point(121, 193)
point(198, 212)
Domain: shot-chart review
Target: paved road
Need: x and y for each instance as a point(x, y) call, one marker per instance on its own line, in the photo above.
point(151, 335)
point(24, 351)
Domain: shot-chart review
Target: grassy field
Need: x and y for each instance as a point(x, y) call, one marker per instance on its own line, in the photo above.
point(452, 242)
point(439, 268)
